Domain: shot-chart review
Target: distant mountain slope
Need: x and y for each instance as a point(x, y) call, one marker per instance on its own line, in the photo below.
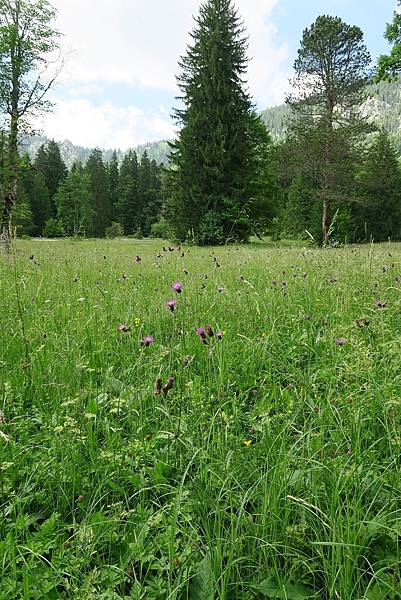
point(383, 107)
point(157, 151)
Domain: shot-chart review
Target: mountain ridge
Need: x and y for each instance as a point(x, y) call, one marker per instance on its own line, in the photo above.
point(382, 106)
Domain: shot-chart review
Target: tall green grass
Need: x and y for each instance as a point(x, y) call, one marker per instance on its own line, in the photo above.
point(271, 469)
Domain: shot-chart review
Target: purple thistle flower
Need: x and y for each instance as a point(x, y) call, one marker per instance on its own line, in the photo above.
point(171, 304)
point(158, 387)
point(177, 287)
point(202, 334)
point(147, 340)
point(219, 335)
point(341, 341)
point(209, 330)
point(168, 385)
point(123, 328)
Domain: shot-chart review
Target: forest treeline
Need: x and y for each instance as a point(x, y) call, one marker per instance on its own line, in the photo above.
point(95, 200)
point(128, 197)
point(325, 168)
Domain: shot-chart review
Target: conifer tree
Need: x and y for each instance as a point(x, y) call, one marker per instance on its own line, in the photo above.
point(32, 187)
point(113, 177)
point(128, 203)
point(331, 72)
point(378, 216)
point(211, 161)
point(49, 162)
point(100, 197)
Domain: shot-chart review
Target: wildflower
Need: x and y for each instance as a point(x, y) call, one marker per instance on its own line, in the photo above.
point(171, 304)
point(362, 322)
point(177, 287)
point(123, 328)
point(222, 290)
point(137, 321)
point(202, 334)
point(333, 279)
point(147, 340)
point(158, 387)
point(219, 335)
point(138, 259)
point(380, 304)
point(248, 443)
point(209, 330)
point(168, 385)
point(341, 341)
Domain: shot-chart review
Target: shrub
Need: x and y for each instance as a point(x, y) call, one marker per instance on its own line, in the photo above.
point(53, 229)
point(115, 230)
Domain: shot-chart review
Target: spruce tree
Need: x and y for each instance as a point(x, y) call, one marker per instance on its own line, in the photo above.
point(113, 177)
point(32, 187)
point(127, 208)
point(212, 167)
point(48, 161)
point(100, 197)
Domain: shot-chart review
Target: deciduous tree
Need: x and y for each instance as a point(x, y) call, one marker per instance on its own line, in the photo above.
point(28, 42)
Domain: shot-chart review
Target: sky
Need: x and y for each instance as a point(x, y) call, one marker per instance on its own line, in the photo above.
point(117, 87)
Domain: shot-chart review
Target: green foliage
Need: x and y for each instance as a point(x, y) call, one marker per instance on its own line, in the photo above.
point(160, 229)
point(28, 44)
point(331, 71)
point(53, 229)
point(270, 588)
point(115, 230)
point(212, 168)
point(389, 65)
point(100, 194)
point(73, 202)
point(271, 468)
point(49, 163)
point(378, 214)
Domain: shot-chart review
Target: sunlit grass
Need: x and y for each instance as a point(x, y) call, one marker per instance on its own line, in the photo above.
point(271, 468)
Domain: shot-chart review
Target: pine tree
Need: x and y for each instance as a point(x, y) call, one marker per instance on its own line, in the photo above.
point(211, 161)
point(100, 197)
point(331, 72)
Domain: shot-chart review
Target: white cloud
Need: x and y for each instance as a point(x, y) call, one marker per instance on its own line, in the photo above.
point(139, 42)
point(106, 126)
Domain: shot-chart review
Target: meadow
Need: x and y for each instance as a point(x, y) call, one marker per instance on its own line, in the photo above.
point(235, 436)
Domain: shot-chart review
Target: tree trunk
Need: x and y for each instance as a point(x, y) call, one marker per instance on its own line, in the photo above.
point(10, 196)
